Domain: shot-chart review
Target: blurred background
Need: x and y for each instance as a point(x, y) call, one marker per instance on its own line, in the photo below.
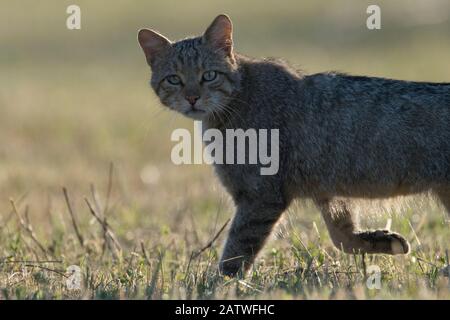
point(74, 101)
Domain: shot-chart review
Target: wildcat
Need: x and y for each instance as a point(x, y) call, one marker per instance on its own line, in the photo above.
point(340, 137)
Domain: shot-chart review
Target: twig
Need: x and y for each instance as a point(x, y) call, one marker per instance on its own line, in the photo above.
point(94, 195)
point(191, 257)
point(144, 253)
point(31, 261)
point(245, 284)
point(363, 256)
point(26, 215)
point(27, 227)
point(108, 234)
point(423, 260)
point(109, 189)
point(419, 244)
point(72, 216)
point(4, 222)
point(61, 273)
point(210, 243)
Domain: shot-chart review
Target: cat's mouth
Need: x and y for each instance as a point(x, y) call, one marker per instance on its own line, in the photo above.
point(194, 112)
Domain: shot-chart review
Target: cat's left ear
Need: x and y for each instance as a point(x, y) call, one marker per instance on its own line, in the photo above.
point(220, 34)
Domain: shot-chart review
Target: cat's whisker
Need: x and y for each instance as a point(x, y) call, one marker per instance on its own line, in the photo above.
point(220, 114)
point(224, 112)
point(230, 111)
point(233, 111)
point(238, 100)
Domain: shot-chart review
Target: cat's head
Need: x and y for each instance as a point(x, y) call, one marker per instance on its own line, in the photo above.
point(195, 76)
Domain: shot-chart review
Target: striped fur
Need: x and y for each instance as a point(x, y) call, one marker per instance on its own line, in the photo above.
point(341, 137)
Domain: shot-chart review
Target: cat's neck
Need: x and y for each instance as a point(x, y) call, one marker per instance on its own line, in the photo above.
point(227, 117)
point(264, 85)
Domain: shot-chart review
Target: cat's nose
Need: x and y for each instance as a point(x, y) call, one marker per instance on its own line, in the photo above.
point(192, 99)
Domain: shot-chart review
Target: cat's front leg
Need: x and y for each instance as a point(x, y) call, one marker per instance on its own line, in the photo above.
point(251, 226)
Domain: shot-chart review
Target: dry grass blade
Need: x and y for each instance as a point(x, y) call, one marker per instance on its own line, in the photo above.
point(95, 198)
point(159, 268)
point(110, 238)
point(72, 216)
point(144, 253)
point(4, 221)
point(30, 261)
point(210, 243)
point(27, 227)
point(60, 272)
point(109, 188)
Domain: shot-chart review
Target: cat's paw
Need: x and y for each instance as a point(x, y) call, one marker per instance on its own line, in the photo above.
point(383, 241)
point(229, 269)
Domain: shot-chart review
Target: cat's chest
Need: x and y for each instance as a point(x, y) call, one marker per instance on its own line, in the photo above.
point(239, 179)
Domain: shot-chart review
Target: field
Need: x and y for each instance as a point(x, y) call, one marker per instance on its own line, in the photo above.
point(86, 177)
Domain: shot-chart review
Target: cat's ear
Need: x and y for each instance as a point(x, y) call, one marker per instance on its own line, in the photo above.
point(152, 42)
point(220, 34)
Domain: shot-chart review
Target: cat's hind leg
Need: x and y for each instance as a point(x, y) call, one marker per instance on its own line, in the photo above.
point(346, 236)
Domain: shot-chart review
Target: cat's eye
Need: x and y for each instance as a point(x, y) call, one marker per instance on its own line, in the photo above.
point(174, 80)
point(209, 75)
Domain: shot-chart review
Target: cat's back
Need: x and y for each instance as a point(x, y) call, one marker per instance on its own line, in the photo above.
point(375, 93)
point(268, 76)
point(271, 91)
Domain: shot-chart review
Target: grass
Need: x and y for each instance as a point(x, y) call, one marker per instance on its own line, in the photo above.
point(73, 102)
point(124, 255)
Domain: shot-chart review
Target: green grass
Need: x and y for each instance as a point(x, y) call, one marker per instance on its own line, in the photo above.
point(170, 258)
point(72, 102)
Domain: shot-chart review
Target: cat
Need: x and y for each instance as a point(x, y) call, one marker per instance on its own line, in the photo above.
point(340, 137)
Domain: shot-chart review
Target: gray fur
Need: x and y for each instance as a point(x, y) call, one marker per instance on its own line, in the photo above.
point(340, 136)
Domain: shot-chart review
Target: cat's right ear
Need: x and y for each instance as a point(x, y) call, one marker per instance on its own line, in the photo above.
point(152, 43)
